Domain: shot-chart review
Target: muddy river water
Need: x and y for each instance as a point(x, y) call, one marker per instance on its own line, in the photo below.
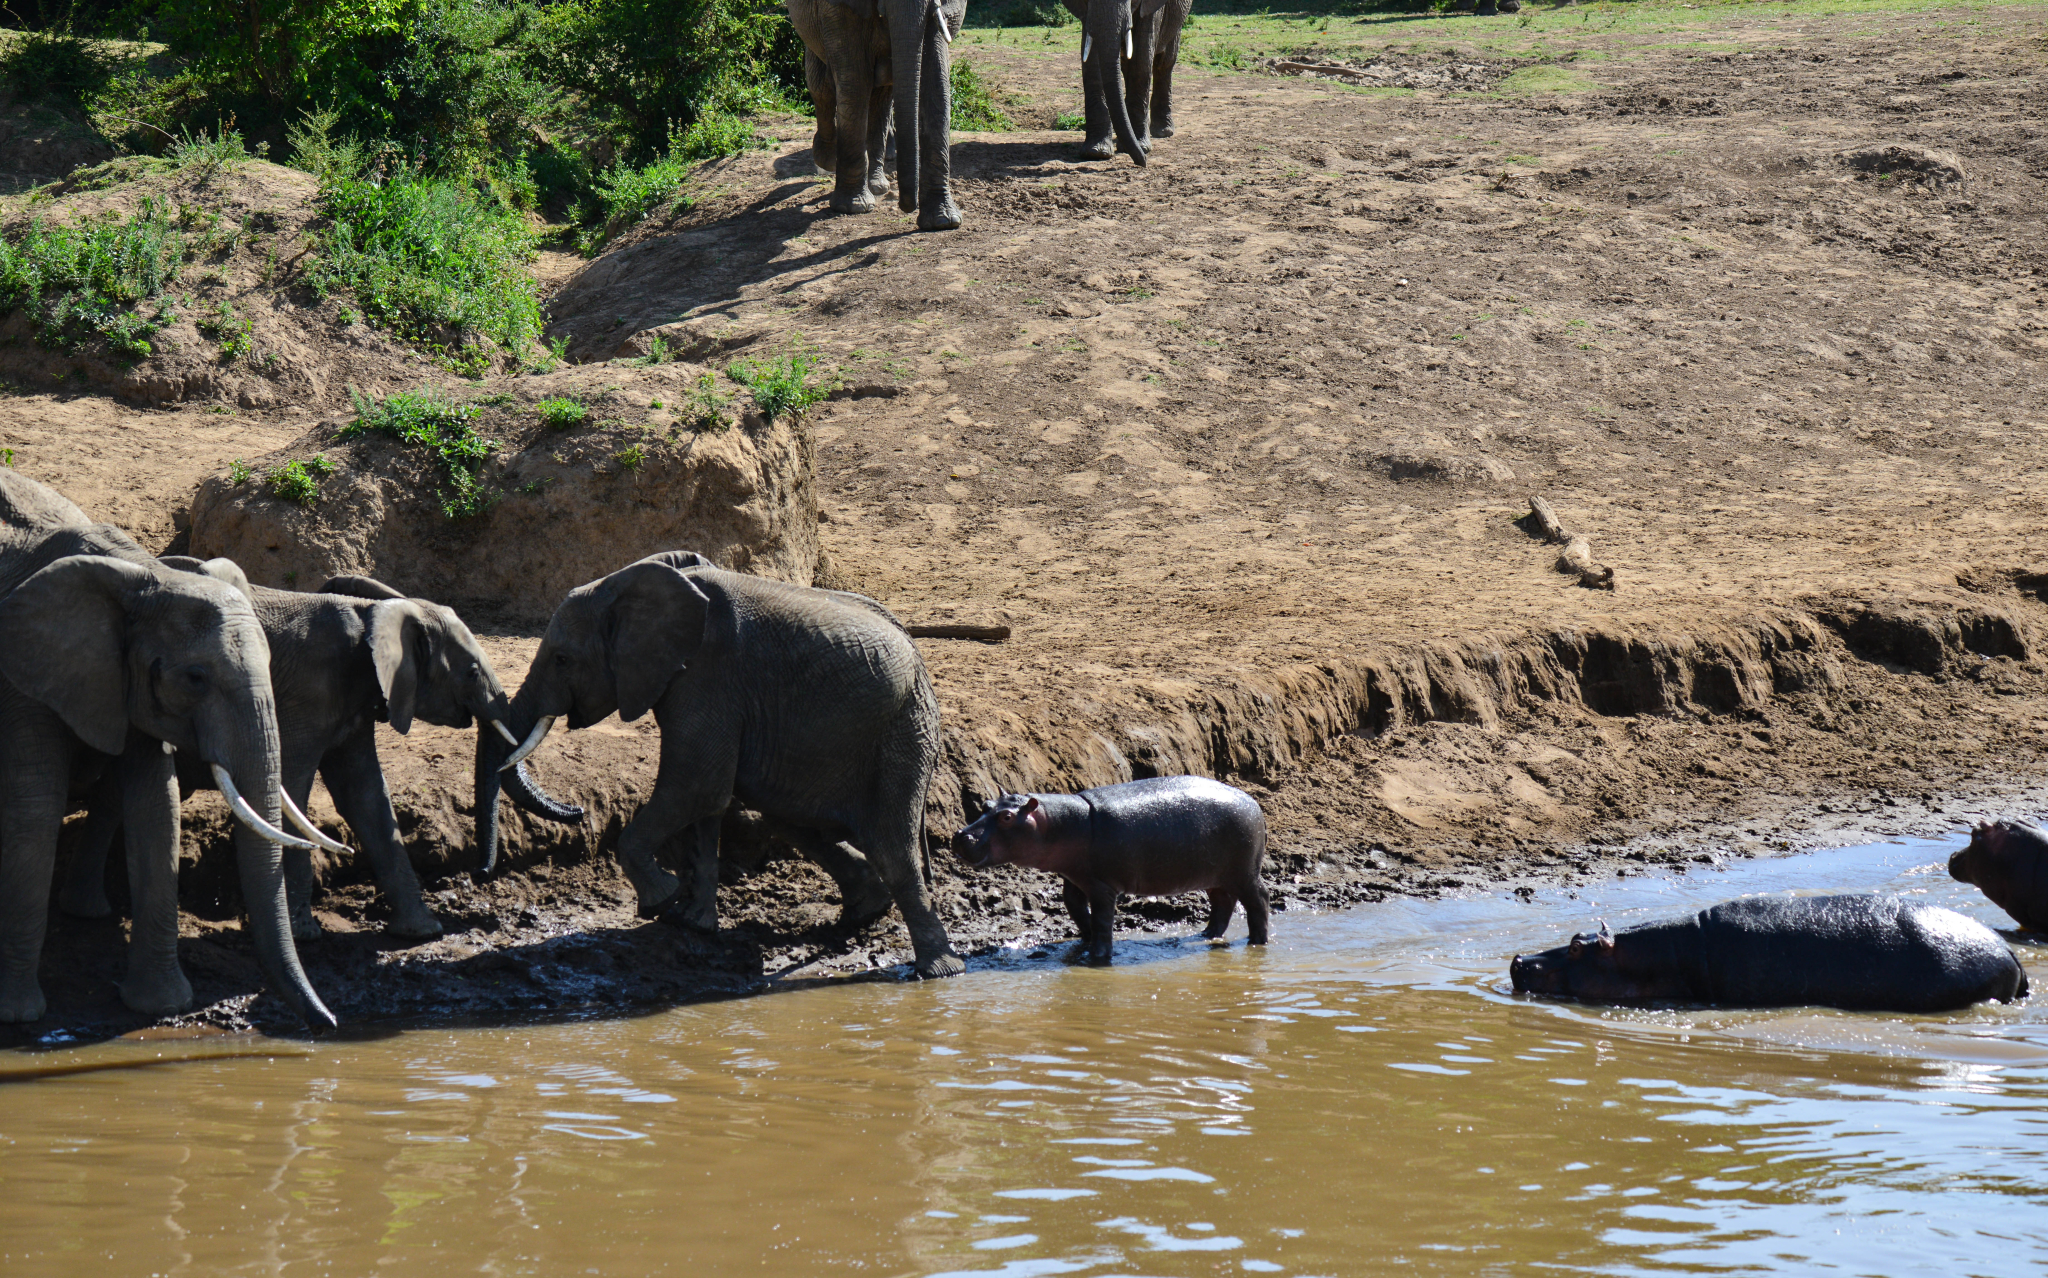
point(1361, 1097)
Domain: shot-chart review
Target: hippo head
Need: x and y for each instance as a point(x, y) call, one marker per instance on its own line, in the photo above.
point(995, 836)
point(1992, 842)
point(1588, 968)
point(2008, 862)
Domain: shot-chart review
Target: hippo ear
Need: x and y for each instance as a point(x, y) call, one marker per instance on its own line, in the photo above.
point(1606, 937)
point(1030, 805)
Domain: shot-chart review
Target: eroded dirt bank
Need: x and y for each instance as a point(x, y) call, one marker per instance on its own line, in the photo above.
point(1238, 444)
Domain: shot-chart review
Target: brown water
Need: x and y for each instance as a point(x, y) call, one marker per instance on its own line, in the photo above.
point(1361, 1097)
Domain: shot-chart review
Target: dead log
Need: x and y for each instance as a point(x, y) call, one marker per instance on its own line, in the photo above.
point(1577, 557)
point(980, 634)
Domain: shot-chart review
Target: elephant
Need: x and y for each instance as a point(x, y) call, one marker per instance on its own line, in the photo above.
point(108, 658)
point(342, 658)
point(811, 707)
point(860, 55)
point(1134, 53)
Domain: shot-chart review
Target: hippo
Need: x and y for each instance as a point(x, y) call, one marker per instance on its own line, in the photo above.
point(2008, 862)
point(1145, 838)
point(1858, 953)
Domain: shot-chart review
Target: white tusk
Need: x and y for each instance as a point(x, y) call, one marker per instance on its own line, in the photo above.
point(168, 747)
point(248, 814)
point(532, 741)
point(1127, 46)
point(1087, 43)
point(306, 827)
point(505, 732)
point(944, 30)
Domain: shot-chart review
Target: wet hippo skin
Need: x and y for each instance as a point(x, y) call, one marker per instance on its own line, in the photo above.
point(2008, 862)
point(1859, 953)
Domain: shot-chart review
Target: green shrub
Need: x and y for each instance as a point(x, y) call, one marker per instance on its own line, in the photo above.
point(703, 408)
point(298, 482)
point(239, 472)
point(631, 458)
point(562, 414)
point(784, 386)
point(57, 64)
point(315, 149)
point(1037, 13)
point(431, 261)
point(974, 101)
point(88, 280)
point(445, 430)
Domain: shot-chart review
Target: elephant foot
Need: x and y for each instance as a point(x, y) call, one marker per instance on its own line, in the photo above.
point(943, 216)
point(21, 1002)
point(863, 907)
point(157, 993)
point(878, 184)
point(944, 963)
point(655, 890)
point(1214, 933)
point(1098, 148)
point(693, 917)
point(416, 923)
point(859, 200)
point(84, 903)
point(304, 926)
point(1162, 129)
point(1099, 958)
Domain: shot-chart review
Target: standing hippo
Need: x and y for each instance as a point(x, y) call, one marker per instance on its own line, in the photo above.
point(2008, 862)
point(1859, 953)
point(1145, 838)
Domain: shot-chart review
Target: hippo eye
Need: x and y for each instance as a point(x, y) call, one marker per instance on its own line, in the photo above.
point(1004, 818)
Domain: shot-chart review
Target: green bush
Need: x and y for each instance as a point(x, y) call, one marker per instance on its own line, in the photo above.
point(57, 64)
point(298, 482)
point(784, 386)
point(1037, 13)
point(433, 262)
point(974, 101)
point(79, 282)
point(562, 414)
point(445, 430)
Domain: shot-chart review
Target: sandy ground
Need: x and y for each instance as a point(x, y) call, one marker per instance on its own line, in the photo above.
point(1239, 444)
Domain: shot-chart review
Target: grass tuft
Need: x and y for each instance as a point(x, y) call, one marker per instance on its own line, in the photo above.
point(298, 482)
point(784, 386)
point(444, 429)
point(562, 414)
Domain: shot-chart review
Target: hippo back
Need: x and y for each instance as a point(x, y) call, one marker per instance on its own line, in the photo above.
point(1859, 953)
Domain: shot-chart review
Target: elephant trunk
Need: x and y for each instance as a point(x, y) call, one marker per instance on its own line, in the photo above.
point(1108, 26)
point(500, 769)
point(248, 756)
point(906, 62)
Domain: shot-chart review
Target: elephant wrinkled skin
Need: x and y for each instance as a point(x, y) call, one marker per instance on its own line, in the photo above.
point(1127, 61)
point(105, 652)
point(810, 706)
point(862, 56)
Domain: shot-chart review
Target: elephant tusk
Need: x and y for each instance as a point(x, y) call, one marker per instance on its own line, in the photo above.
point(506, 733)
point(1087, 42)
point(306, 827)
point(532, 742)
point(168, 747)
point(945, 31)
point(248, 815)
point(1127, 46)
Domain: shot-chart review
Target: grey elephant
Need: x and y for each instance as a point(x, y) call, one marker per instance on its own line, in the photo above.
point(810, 706)
point(862, 55)
point(1127, 62)
point(107, 655)
point(342, 659)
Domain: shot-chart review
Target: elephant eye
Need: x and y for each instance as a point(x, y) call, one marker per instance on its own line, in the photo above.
point(195, 676)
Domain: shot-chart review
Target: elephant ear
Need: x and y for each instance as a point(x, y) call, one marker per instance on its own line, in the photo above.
point(396, 633)
point(359, 588)
point(680, 560)
point(222, 570)
point(64, 641)
point(654, 625)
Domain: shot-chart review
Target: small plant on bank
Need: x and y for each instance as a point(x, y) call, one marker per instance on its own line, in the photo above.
point(444, 429)
point(562, 414)
point(703, 409)
point(658, 352)
point(785, 386)
point(630, 459)
point(298, 482)
point(89, 280)
point(239, 472)
point(235, 334)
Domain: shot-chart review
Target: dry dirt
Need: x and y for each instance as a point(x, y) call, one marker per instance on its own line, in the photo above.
point(1240, 446)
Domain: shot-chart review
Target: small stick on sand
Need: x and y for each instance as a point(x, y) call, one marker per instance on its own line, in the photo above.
point(981, 634)
point(1577, 556)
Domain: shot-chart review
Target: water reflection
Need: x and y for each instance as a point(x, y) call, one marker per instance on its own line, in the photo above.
point(1363, 1096)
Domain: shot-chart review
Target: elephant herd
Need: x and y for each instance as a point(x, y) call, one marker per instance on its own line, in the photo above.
point(867, 61)
point(127, 681)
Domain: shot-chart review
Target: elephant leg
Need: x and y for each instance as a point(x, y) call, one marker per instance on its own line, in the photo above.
point(83, 893)
point(355, 781)
point(1102, 920)
point(1138, 76)
point(824, 102)
point(852, 108)
point(36, 781)
point(935, 208)
point(154, 985)
point(863, 897)
point(1099, 143)
point(878, 139)
point(1163, 62)
point(1076, 902)
point(1253, 893)
point(699, 898)
point(1222, 904)
point(689, 789)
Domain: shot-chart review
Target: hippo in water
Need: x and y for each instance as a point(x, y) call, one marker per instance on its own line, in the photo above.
point(1146, 838)
point(1859, 953)
point(2008, 862)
